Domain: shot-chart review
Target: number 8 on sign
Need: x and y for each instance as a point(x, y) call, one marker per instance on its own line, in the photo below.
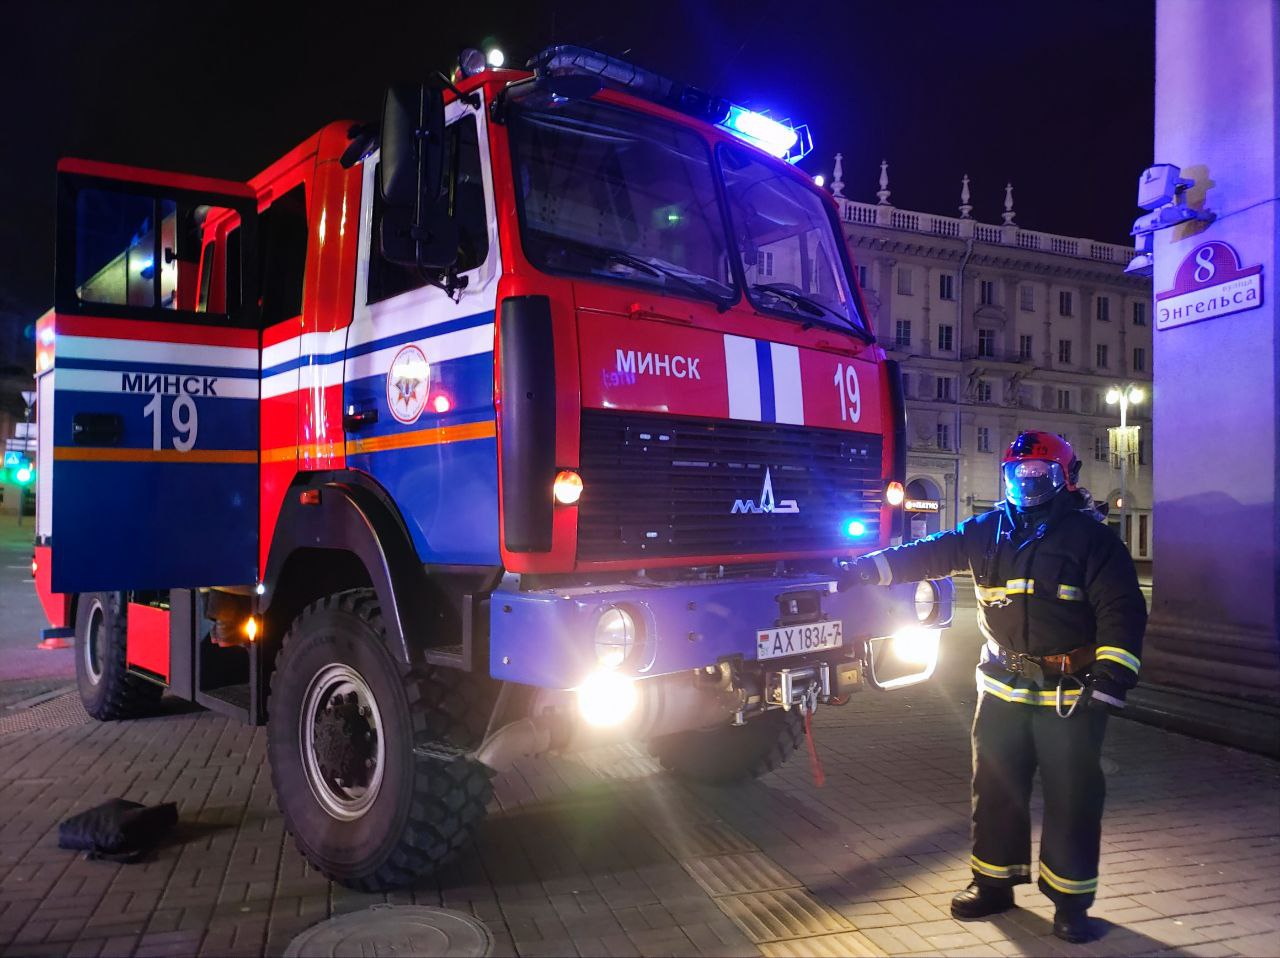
point(850, 398)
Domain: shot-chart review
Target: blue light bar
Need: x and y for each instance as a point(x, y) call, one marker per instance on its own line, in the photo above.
point(780, 139)
point(855, 528)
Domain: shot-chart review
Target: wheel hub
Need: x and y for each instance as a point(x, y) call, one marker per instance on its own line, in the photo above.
point(341, 742)
point(344, 740)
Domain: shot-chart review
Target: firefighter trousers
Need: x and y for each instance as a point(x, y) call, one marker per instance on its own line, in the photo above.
point(1010, 740)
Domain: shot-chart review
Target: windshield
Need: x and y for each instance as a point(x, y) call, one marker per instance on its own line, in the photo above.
point(610, 193)
point(787, 242)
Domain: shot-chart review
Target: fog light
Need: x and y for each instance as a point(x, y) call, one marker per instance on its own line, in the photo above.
point(616, 635)
point(894, 494)
point(568, 487)
point(926, 600)
point(606, 698)
point(917, 645)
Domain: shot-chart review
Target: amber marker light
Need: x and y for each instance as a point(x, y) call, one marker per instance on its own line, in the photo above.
point(251, 628)
point(894, 494)
point(568, 487)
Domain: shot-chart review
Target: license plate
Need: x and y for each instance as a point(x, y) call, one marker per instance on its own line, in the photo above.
point(798, 639)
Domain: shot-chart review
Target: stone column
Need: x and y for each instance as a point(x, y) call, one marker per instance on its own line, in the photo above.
point(1217, 538)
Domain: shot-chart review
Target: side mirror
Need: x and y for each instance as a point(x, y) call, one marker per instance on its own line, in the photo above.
point(416, 227)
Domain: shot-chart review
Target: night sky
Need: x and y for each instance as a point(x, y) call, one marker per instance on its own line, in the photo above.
point(1055, 96)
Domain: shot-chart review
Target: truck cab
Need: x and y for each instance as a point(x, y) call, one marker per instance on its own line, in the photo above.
point(541, 414)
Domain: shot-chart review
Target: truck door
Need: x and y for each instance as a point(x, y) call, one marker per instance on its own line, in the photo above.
point(419, 365)
point(156, 379)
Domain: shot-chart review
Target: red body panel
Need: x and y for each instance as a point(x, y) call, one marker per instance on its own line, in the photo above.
point(56, 605)
point(148, 639)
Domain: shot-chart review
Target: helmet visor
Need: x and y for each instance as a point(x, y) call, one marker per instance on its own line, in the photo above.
point(1029, 482)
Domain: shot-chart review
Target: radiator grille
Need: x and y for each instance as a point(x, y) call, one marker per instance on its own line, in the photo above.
point(662, 486)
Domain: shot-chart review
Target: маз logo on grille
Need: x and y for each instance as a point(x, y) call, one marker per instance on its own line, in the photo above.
point(767, 501)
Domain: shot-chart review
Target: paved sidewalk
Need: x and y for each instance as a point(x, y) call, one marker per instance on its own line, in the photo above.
point(602, 855)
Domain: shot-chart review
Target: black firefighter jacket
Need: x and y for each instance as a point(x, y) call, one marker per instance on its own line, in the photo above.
point(1063, 582)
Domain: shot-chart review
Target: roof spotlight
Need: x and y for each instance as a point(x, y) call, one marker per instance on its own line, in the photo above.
point(496, 58)
point(471, 61)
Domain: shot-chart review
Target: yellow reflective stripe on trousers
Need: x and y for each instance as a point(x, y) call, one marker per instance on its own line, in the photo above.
point(1070, 593)
point(998, 871)
point(1110, 653)
point(1020, 586)
point(1066, 885)
point(1010, 693)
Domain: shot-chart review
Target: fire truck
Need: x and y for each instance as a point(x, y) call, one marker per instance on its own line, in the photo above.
point(539, 415)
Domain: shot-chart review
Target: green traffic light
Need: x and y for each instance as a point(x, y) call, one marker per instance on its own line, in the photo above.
point(24, 475)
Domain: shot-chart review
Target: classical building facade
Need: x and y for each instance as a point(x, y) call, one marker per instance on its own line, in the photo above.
point(1000, 329)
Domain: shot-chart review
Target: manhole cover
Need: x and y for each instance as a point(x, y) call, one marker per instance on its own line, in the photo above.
point(400, 930)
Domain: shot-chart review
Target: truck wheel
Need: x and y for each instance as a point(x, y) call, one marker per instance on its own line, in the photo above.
point(729, 754)
point(107, 689)
point(343, 718)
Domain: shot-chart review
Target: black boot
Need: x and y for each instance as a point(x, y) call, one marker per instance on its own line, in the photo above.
point(1072, 924)
point(979, 901)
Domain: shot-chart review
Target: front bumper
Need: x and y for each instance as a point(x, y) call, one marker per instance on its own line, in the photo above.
point(546, 638)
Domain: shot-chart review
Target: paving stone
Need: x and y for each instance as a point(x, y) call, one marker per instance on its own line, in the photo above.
point(788, 913)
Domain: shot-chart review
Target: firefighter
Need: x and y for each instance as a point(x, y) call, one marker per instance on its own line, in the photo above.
point(1062, 615)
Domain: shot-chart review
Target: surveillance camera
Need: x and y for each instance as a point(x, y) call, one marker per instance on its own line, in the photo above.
point(1159, 185)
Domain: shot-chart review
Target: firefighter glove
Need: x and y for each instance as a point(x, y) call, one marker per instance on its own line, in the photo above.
point(861, 571)
point(1105, 694)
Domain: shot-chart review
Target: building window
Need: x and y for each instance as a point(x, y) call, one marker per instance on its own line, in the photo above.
point(1100, 451)
point(1102, 355)
point(1139, 359)
point(987, 343)
point(1064, 303)
point(1064, 400)
point(1142, 450)
point(944, 337)
point(1027, 298)
point(984, 439)
point(766, 267)
point(1139, 314)
point(863, 276)
point(946, 286)
point(902, 333)
point(904, 281)
point(944, 436)
point(944, 387)
point(906, 386)
point(1143, 522)
point(1024, 347)
point(987, 292)
point(984, 390)
point(1064, 351)
point(1103, 309)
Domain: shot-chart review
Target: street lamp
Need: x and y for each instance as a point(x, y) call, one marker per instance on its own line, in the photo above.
point(1126, 396)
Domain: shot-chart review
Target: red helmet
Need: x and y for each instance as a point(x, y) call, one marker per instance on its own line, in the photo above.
point(1026, 484)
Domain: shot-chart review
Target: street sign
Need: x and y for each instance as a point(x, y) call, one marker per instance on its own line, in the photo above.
point(12, 458)
point(921, 505)
point(24, 430)
point(1210, 282)
point(29, 397)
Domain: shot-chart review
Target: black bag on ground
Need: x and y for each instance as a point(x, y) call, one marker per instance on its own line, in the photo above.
point(117, 830)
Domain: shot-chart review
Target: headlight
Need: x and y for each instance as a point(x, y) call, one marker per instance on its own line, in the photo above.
point(606, 698)
point(926, 601)
point(616, 637)
point(917, 646)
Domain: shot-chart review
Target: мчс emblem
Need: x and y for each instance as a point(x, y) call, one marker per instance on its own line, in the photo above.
point(767, 501)
point(408, 381)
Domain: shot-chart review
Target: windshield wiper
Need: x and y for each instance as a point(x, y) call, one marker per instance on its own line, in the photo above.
point(799, 300)
point(622, 257)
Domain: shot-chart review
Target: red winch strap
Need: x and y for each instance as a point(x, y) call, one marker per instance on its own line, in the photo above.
point(819, 776)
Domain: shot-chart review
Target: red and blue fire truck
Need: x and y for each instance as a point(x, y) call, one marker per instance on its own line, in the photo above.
point(538, 415)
